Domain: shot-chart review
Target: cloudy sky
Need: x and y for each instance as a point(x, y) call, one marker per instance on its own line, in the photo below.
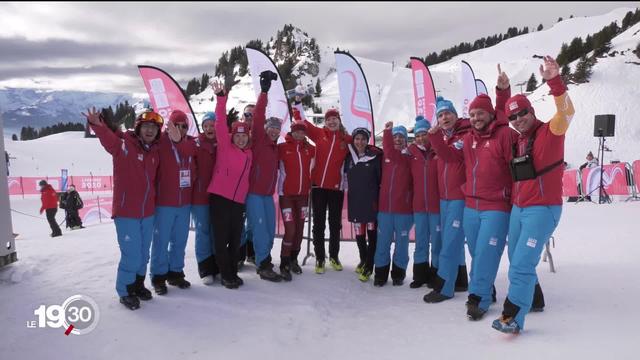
point(96, 47)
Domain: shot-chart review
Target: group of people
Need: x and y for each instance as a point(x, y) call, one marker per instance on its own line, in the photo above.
point(476, 179)
point(70, 202)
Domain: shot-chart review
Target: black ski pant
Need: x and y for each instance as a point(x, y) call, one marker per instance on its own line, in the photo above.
point(227, 218)
point(321, 199)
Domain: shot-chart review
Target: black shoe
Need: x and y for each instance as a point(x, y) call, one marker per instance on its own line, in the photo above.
point(230, 284)
point(536, 309)
point(397, 282)
point(176, 278)
point(130, 301)
point(266, 273)
point(379, 282)
point(285, 273)
point(239, 281)
point(474, 312)
point(421, 274)
point(435, 297)
point(462, 281)
point(159, 285)
point(537, 305)
point(56, 235)
point(140, 290)
point(295, 267)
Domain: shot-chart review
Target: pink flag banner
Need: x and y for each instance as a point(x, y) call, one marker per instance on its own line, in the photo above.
point(355, 100)
point(166, 95)
point(424, 92)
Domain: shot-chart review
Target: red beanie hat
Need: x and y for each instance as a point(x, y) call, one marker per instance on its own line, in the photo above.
point(178, 116)
point(332, 112)
point(517, 103)
point(298, 125)
point(239, 127)
point(296, 114)
point(482, 101)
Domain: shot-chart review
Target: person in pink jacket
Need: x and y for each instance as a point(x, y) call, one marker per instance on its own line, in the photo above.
point(228, 188)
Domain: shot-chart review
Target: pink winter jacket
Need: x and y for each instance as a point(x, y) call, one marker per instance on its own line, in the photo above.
point(230, 177)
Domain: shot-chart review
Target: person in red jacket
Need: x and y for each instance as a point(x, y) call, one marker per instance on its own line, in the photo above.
point(135, 166)
point(49, 199)
point(395, 212)
point(263, 177)
point(205, 159)
point(176, 175)
point(326, 192)
point(451, 274)
point(537, 192)
point(486, 153)
point(294, 183)
point(228, 188)
point(426, 205)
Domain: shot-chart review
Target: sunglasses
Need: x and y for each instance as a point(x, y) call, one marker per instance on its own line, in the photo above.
point(182, 126)
point(522, 113)
point(248, 115)
point(151, 116)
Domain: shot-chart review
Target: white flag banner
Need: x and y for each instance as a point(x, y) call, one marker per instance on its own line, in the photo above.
point(278, 105)
point(469, 92)
point(481, 88)
point(355, 101)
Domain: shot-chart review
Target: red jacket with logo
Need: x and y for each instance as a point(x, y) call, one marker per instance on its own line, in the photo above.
point(450, 164)
point(49, 198)
point(135, 167)
point(264, 169)
point(548, 148)
point(177, 171)
point(396, 189)
point(296, 162)
point(424, 171)
point(205, 160)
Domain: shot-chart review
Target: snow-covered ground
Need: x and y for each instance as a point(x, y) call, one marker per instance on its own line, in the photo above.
point(591, 300)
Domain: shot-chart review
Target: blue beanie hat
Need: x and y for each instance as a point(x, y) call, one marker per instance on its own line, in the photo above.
point(399, 130)
point(444, 105)
point(422, 125)
point(209, 116)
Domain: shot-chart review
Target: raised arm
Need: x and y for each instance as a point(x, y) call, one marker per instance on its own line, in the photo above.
point(559, 123)
point(446, 152)
point(503, 91)
point(313, 132)
point(222, 130)
point(109, 140)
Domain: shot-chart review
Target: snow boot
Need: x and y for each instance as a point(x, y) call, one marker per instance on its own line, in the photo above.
point(159, 284)
point(462, 281)
point(130, 302)
point(319, 266)
point(435, 297)
point(538, 299)
point(295, 267)
point(507, 325)
point(335, 264)
point(474, 312)
point(285, 268)
point(381, 276)
point(176, 278)
point(420, 275)
point(397, 275)
point(266, 272)
point(140, 290)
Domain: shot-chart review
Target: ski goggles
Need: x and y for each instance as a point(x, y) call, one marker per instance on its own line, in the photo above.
point(522, 113)
point(151, 116)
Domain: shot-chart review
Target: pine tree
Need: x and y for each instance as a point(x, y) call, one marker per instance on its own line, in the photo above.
point(318, 89)
point(532, 84)
point(14, 137)
point(565, 72)
point(638, 50)
point(540, 27)
point(583, 70)
point(559, 19)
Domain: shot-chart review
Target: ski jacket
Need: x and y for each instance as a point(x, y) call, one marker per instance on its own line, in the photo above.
point(424, 171)
point(396, 189)
point(177, 171)
point(331, 150)
point(264, 168)
point(450, 168)
point(135, 166)
point(364, 174)
point(548, 148)
point(230, 177)
point(49, 198)
point(205, 159)
point(296, 162)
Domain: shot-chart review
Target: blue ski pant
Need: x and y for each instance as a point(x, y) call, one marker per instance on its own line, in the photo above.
point(134, 240)
point(486, 233)
point(261, 212)
point(452, 251)
point(393, 228)
point(170, 232)
point(529, 230)
point(427, 235)
point(204, 232)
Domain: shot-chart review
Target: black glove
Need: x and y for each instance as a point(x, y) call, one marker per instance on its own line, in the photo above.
point(265, 80)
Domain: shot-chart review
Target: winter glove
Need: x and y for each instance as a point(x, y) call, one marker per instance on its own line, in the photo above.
point(265, 80)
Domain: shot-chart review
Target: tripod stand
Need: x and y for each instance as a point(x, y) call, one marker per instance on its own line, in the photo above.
point(603, 197)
